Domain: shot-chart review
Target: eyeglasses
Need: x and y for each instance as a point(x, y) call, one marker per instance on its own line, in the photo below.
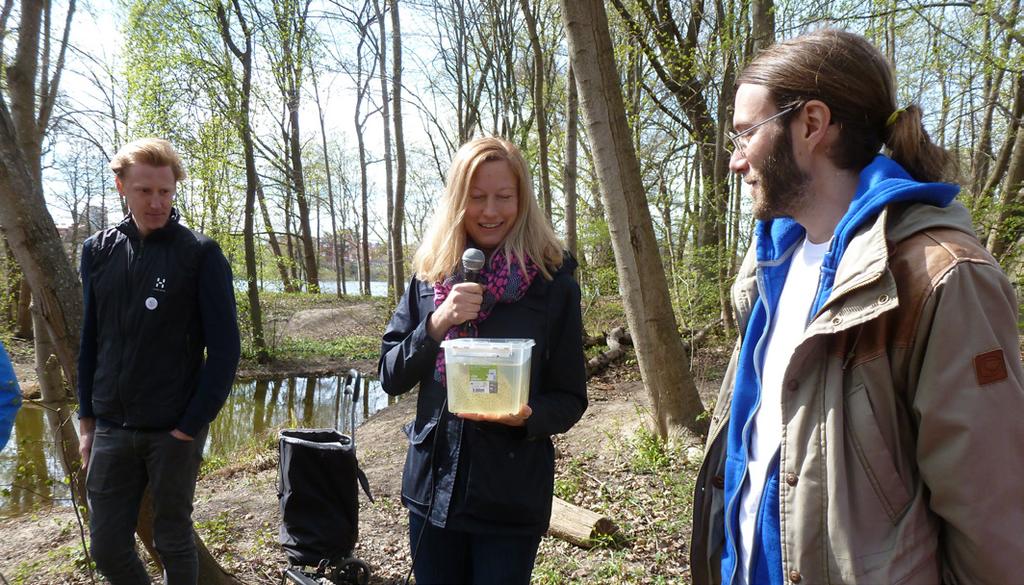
point(740, 140)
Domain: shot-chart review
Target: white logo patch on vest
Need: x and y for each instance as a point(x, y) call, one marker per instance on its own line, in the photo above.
point(161, 285)
point(151, 303)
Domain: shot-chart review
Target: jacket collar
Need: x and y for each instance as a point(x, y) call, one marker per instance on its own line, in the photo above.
point(865, 259)
point(858, 253)
point(862, 278)
point(128, 227)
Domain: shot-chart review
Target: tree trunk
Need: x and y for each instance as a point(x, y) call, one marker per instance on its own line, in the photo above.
point(251, 274)
point(615, 352)
point(364, 201)
point(26, 221)
point(572, 109)
point(244, 57)
point(580, 526)
point(289, 240)
point(342, 247)
point(288, 44)
point(28, 225)
point(1007, 228)
point(59, 413)
point(385, 112)
point(983, 155)
point(275, 246)
point(11, 284)
point(398, 212)
point(330, 183)
point(339, 238)
point(298, 181)
point(677, 66)
point(664, 364)
point(762, 16)
point(539, 106)
point(358, 243)
point(23, 324)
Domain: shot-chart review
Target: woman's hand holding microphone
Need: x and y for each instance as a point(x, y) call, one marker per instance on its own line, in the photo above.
point(462, 304)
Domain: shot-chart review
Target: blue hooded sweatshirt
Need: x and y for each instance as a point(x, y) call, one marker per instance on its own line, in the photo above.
point(882, 183)
point(10, 397)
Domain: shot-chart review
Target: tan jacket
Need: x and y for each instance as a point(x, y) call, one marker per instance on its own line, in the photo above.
point(902, 455)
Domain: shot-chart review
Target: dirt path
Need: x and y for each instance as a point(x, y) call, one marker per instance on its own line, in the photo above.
point(334, 322)
point(338, 319)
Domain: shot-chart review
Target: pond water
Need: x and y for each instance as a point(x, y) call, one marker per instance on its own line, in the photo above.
point(31, 476)
point(327, 286)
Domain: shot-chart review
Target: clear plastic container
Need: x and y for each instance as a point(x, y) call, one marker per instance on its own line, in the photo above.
point(487, 376)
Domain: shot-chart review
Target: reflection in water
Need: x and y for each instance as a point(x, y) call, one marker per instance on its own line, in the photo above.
point(31, 475)
point(256, 407)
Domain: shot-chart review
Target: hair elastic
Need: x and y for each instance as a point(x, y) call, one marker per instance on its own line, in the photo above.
point(893, 116)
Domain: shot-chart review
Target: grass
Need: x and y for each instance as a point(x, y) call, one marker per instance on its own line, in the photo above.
point(67, 559)
point(561, 573)
point(603, 313)
point(278, 308)
point(649, 454)
point(570, 482)
point(217, 531)
point(350, 347)
point(220, 536)
point(645, 487)
point(272, 302)
point(250, 454)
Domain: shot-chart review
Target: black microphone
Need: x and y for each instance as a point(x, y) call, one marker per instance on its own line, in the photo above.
point(472, 263)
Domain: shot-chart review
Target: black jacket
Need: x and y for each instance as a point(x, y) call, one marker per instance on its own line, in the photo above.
point(489, 477)
point(152, 307)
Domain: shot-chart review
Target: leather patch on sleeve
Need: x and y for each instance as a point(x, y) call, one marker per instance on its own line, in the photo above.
point(990, 367)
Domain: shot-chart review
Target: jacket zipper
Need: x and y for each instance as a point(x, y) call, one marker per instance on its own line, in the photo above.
point(730, 505)
point(135, 257)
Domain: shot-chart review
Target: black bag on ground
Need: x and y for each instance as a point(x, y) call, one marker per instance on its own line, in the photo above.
point(317, 477)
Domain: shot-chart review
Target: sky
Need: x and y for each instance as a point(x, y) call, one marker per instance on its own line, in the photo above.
point(97, 32)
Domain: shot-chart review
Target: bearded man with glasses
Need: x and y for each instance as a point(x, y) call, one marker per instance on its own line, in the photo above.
point(868, 428)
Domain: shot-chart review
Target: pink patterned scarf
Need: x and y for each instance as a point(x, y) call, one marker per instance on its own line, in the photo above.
point(503, 282)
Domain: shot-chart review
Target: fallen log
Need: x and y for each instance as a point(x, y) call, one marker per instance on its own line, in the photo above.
point(580, 526)
point(615, 351)
point(619, 338)
point(697, 337)
point(592, 340)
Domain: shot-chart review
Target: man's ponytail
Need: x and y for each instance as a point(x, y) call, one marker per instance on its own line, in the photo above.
point(908, 143)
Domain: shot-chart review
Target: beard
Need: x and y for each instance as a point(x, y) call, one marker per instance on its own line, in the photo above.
point(783, 185)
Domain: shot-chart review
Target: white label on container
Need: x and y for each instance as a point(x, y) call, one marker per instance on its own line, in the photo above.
point(483, 380)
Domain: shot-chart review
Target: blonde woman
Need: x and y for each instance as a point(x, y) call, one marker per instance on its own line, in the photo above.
point(478, 487)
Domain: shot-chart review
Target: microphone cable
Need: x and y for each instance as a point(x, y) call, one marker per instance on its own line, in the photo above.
point(433, 489)
point(473, 261)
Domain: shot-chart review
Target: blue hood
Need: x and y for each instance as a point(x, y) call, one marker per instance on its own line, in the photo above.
point(10, 397)
point(882, 183)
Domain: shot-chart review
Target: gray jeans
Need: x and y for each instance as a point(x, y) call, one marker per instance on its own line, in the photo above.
point(122, 465)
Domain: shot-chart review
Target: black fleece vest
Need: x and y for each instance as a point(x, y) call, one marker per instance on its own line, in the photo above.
point(149, 335)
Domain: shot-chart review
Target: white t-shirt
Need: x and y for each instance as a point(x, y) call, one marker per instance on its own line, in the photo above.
point(787, 330)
